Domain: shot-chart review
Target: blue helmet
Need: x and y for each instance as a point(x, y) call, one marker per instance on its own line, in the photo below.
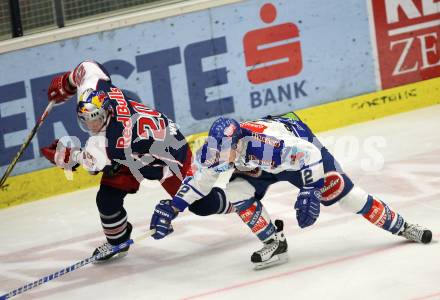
point(225, 132)
point(223, 135)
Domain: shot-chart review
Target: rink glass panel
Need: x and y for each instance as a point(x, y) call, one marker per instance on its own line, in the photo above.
point(5, 20)
point(39, 15)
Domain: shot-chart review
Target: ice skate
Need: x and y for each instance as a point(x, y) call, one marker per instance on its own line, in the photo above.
point(107, 247)
point(274, 251)
point(416, 233)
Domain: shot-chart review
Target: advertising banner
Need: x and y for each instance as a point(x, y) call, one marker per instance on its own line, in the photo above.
point(408, 40)
point(242, 60)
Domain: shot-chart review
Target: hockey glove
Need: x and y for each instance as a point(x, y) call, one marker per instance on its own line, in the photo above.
point(59, 155)
point(307, 206)
point(60, 89)
point(163, 214)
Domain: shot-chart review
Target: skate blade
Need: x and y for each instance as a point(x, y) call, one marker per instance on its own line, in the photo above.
point(274, 261)
point(113, 258)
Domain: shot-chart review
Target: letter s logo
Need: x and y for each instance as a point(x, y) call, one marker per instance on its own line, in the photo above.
point(272, 53)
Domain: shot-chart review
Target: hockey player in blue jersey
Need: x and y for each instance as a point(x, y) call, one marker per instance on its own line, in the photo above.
point(129, 142)
point(239, 161)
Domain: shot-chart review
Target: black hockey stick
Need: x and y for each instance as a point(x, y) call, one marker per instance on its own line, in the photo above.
point(26, 144)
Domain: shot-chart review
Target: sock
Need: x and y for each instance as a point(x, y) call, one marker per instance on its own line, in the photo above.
point(381, 215)
point(255, 216)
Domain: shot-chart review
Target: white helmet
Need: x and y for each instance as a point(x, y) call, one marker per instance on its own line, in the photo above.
point(93, 109)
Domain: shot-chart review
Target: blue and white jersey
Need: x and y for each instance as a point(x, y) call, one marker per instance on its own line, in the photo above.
point(272, 145)
point(277, 144)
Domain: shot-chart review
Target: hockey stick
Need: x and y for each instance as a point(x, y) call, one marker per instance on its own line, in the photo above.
point(82, 263)
point(26, 144)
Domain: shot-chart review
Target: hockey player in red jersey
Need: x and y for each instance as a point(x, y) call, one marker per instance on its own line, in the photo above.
point(128, 142)
point(240, 161)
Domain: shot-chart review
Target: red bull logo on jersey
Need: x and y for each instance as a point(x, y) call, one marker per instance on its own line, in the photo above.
point(123, 116)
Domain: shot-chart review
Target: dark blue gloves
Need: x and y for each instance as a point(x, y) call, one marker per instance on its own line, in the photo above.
point(163, 214)
point(307, 206)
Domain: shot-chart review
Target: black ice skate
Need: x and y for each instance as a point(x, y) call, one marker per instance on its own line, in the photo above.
point(416, 233)
point(107, 247)
point(274, 251)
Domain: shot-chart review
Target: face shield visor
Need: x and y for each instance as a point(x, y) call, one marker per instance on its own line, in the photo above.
point(93, 110)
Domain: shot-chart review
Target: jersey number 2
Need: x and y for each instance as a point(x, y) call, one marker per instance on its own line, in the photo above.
point(308, 176)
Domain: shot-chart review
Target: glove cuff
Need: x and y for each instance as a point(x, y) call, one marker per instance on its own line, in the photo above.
point(179, 203)
point(319, 184)
point(67, 86)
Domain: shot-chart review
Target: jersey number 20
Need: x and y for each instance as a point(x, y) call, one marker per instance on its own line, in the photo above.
point(149, 123)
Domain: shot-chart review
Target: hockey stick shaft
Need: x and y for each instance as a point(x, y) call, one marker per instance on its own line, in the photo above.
point(26, 143)
point(64, 271)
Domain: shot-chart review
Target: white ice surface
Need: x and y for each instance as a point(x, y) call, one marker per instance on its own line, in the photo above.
point(341, 257)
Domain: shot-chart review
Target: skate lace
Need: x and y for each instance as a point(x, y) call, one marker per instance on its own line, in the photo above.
point(104, 248)
point(413, 232)
point(269, 248)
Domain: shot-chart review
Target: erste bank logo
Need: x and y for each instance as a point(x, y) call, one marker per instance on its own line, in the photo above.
point(274, 52)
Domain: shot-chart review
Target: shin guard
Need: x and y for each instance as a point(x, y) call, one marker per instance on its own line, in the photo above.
point(256, 218)
point(381, 215)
